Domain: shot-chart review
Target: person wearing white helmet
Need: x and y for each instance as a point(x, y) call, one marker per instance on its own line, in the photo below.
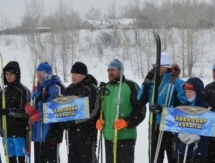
point(168, 81)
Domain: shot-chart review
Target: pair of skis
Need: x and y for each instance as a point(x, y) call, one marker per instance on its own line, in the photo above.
point(152, 116)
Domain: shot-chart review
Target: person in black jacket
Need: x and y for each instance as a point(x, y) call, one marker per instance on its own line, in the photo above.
point(82, 134)
point(210, 99)
point(16, 96)
point(46, 137)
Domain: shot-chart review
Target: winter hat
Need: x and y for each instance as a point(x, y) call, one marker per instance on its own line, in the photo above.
point(166, 60)
point(11, 69)
point(195, 84)
point(115, 64)
point(12, 66)
point(79, 68)
point(44, 67)
point(213, 68)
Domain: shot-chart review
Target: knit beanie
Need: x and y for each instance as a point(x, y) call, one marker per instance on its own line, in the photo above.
point(44, 67)
point(115, 64)
point(11, 69)
point(79, 68)
point(166, 60)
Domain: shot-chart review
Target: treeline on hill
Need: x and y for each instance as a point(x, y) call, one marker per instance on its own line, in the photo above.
point(148, 15)
point(178, 24)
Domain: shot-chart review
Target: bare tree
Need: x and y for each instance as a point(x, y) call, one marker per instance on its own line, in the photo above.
point(93, 14)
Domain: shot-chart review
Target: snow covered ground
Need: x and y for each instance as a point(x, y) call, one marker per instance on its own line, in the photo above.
point(18, 52)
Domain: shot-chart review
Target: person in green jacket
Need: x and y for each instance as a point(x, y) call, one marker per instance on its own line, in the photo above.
point(129, 117)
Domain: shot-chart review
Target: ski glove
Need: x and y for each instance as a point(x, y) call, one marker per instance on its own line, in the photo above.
point(34, 118)
point(30, 110)
point(155, 108)
point(188, 138)
point(149, 77)
point(100, 124)
point(5, 111)
point(120, 124)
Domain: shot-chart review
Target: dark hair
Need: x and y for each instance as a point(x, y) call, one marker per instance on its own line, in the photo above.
point(175, 72)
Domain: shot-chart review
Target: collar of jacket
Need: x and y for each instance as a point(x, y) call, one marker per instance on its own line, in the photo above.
point(117, 80)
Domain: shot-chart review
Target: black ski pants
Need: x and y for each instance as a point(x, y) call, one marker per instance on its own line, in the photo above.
point(46, 152)
point(16, 159)
point(125, 151)
point(211, 150)
point(82, 152)
point(190, 160)
point(166, 145)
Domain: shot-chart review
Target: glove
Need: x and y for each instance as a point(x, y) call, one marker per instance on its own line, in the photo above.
point(5, 111)
point(100, 124)
point(188, 138)
point(34, 118)
point(149, 76)
point(30, 110)
point(155, 108)
point(181, 136)
point(120, 124)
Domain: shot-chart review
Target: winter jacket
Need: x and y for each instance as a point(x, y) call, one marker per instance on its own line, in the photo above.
point(210, 94)
point(129, 109)
point(202, 147)
point(52, 132)
point(84, 130)
point(16, 97)
point(178, 96)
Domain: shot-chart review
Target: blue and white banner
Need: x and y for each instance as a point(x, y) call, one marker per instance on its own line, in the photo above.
point(66, 108)
point(188, 119)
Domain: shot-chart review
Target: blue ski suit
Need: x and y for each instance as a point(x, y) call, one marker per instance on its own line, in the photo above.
point(51, 132)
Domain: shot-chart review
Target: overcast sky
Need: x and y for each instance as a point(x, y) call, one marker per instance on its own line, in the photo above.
point(14, 9)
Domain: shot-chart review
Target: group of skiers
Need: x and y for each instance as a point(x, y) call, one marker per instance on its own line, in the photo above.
point(116, 109)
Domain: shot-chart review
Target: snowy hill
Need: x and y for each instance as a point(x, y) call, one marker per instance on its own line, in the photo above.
point(15, 48)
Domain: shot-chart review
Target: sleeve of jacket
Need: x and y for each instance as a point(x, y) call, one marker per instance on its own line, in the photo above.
point(138, 113)
point(24, 98)
point(94, 105)
point(142, 95)
point(181, 97)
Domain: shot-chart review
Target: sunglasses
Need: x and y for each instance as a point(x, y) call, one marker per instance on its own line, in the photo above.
point(188, 86)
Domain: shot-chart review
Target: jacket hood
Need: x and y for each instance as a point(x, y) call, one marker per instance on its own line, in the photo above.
point(90, 79)
point(12, 66)
point(199, 89)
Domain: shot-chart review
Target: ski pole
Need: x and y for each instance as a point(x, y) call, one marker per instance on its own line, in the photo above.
point(167, 103)
point(41, 125)
point(185, 154)
point(67, 141)
point(100, 138)
point(194, 152)
point(118, 104)
point(4, 118)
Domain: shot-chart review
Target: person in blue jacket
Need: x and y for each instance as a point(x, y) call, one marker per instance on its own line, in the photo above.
point(170, 94)
point(46, 137)
point(198, 145)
